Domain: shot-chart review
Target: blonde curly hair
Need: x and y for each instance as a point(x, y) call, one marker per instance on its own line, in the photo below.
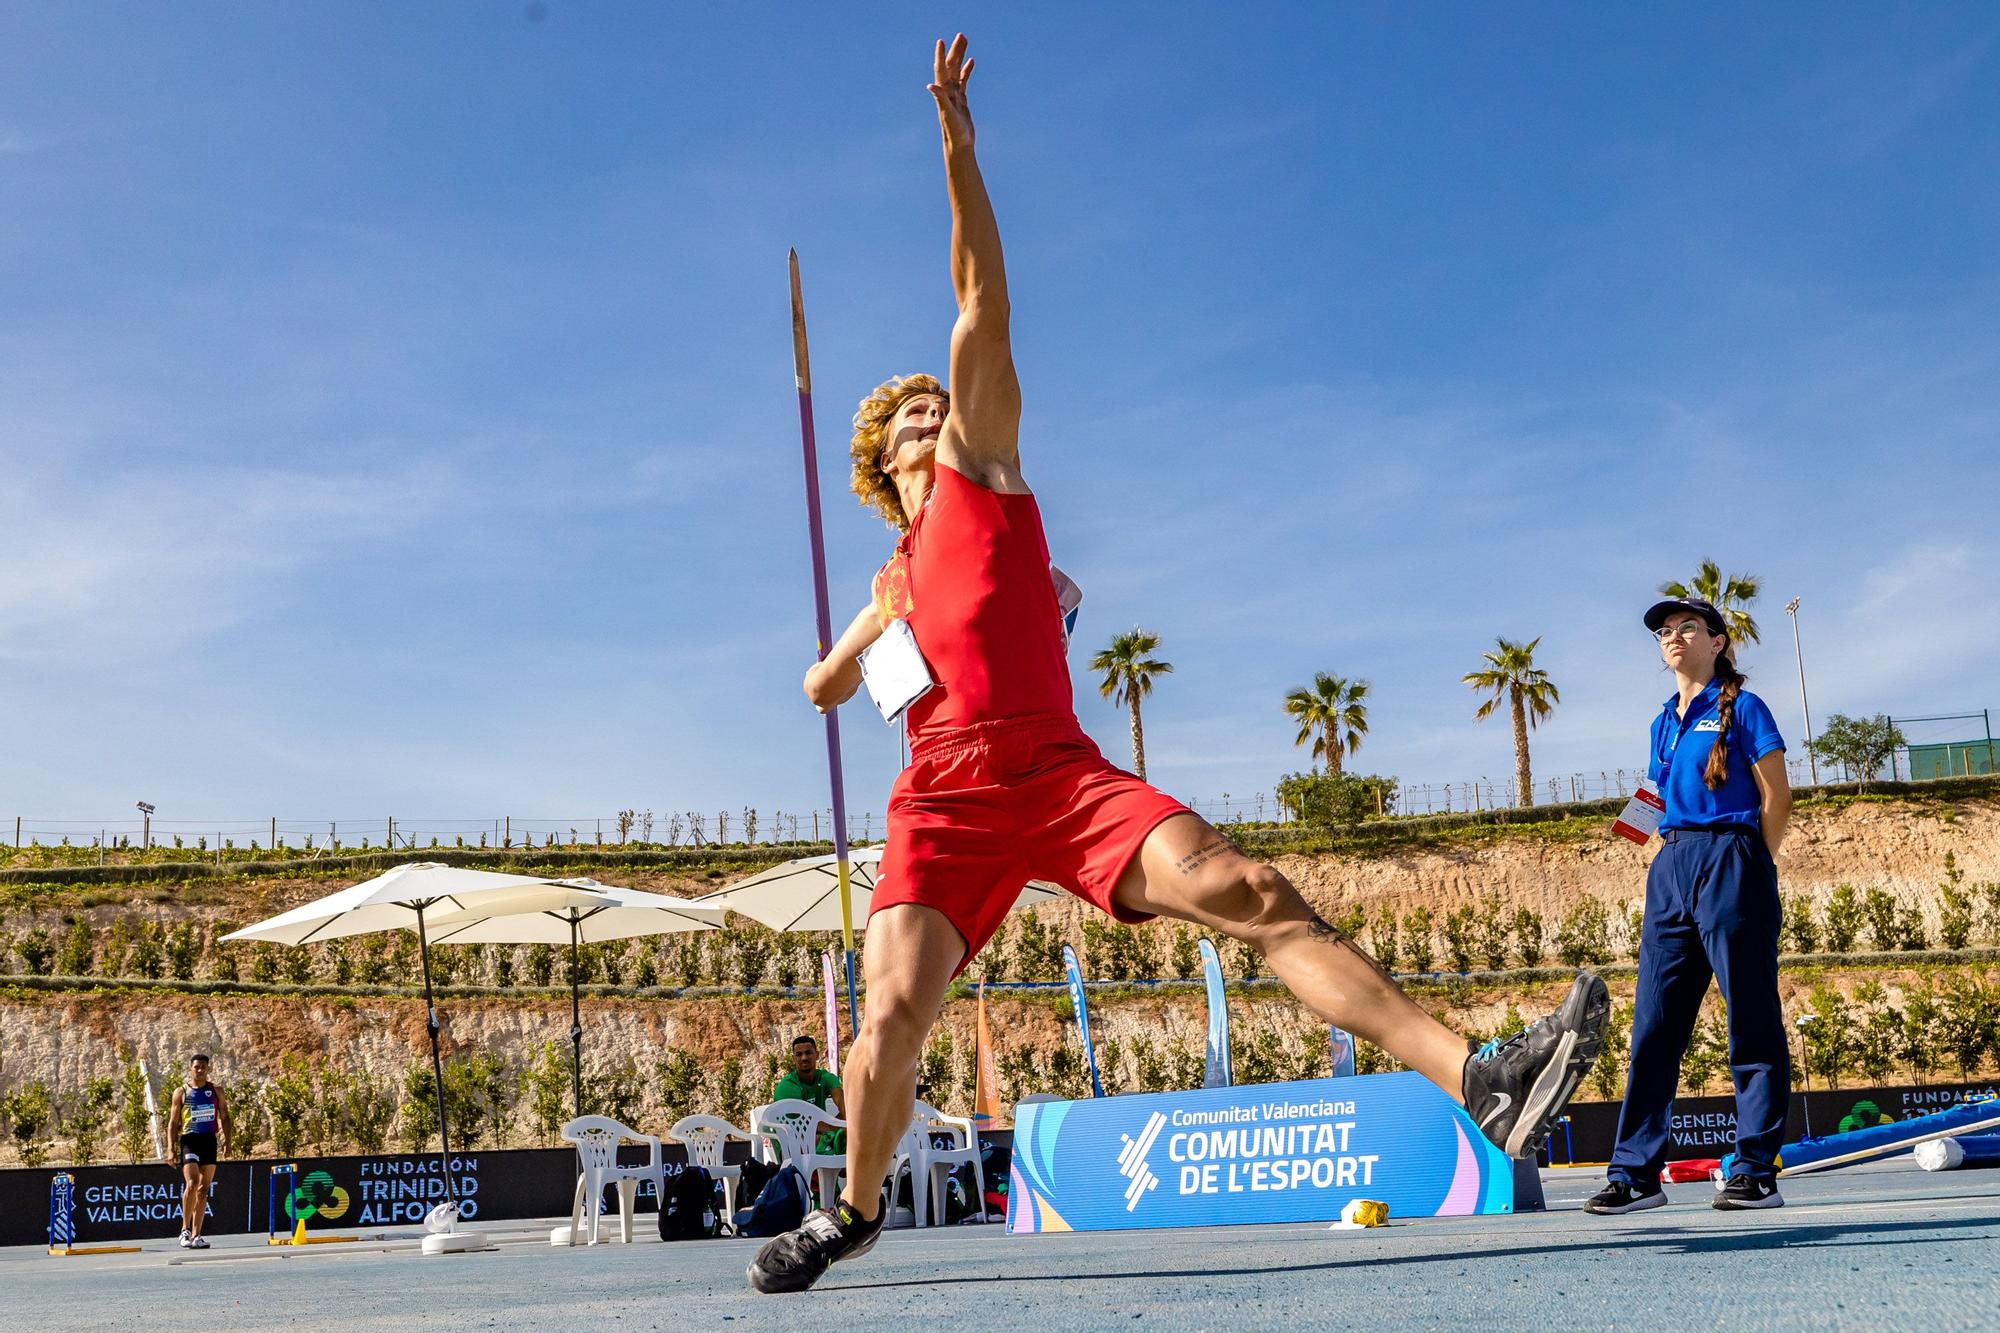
point(871, 436)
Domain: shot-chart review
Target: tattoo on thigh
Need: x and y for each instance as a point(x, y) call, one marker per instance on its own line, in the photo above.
point(1202, 855)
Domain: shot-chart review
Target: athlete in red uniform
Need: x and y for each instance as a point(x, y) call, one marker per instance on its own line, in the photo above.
point(1003, 785)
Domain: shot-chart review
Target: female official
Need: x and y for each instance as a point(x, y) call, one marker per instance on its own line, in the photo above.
point(1711, 910)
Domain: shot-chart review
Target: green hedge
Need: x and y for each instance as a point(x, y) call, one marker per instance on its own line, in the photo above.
point(1790, 962)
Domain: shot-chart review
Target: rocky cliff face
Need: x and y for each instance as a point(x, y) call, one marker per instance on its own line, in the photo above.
point(66, 1038)
point(1897, 845)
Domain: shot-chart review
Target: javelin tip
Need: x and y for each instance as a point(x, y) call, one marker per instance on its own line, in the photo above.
point(801, 373)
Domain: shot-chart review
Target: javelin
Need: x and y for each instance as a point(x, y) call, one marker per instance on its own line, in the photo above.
point(802, 375)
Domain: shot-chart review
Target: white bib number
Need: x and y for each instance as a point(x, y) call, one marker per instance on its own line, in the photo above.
point(895, 671)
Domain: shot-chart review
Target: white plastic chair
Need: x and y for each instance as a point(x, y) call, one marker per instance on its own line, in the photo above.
point(908, 1149)
point(794, 1127)
point(931, 1166)
point(704, 1136)
point(597, 1138)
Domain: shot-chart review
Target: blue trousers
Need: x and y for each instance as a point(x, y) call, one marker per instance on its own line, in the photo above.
point(1711, 910)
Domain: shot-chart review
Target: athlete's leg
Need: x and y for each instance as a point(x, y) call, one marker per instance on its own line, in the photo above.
point(191, 1201)
point(910, 957)
point(204, 1177)
point(1186, 869)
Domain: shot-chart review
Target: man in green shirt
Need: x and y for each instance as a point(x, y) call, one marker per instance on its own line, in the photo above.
point(805, 1081)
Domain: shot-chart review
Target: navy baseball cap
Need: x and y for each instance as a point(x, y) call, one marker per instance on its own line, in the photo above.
point(1657, 614)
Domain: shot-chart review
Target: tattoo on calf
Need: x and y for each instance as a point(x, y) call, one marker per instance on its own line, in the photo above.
point(1203, 854)
point(1319, 928)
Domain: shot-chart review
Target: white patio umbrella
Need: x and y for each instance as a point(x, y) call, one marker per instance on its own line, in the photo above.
point(575, 911)
point(805, 894)
point(399, 898)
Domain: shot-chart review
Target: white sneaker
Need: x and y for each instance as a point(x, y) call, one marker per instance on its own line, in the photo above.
point(198, 1243)
point(187, 1239)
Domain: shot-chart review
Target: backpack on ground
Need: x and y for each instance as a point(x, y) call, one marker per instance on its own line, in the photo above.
point(687, 1203)
point(753, 1176)
point(780, 1205)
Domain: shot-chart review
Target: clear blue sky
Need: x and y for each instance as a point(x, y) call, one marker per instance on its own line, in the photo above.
point(396, 410)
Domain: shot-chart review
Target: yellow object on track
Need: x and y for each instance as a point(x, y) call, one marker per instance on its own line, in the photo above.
point(1365, 1213)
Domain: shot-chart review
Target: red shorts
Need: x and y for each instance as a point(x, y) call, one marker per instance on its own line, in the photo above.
point(983, 809)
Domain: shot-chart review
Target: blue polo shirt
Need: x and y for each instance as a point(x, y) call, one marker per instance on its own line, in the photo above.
point(1681, 745)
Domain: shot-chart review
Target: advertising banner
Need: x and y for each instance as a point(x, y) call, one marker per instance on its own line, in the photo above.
point(1081, 1004)
point(1342, 1043)
point(832, 1014)
point(1706, 1126)
point(1270, 1152)
point(141, 1202)
point(985, 1072)
point(1216, 1069)
point(398, 1190)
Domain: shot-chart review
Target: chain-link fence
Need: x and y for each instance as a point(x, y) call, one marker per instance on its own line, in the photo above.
point(1942, 746)
point(1493, 793)
point(678, 828)
point(1948, 745)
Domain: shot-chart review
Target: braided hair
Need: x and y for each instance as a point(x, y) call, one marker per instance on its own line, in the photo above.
point(1732, 682)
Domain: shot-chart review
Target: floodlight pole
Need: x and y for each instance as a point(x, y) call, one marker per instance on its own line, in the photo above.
point(1798, 653)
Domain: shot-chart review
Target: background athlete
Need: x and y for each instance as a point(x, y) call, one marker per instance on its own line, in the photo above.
point(1004, 786)
point(197, 1134)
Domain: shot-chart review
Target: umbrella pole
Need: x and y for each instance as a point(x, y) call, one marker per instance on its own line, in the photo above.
point(575, 1018)
point(802, 376)
point(437, 1058)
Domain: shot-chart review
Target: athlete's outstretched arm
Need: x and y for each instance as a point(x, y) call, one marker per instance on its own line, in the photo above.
point(981, 437)
point(833, 679)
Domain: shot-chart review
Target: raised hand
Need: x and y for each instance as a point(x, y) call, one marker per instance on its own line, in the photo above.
point(952, 71)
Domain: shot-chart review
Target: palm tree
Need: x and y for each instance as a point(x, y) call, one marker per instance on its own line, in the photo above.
point(1731, 596)
point(1512, 675)
point(1331, 716)
point(1128, 678)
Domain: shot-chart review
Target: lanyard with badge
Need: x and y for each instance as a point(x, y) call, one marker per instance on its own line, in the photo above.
point(1640, 819)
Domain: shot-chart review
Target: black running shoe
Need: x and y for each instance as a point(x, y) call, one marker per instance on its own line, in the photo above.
point(1624, 1197)
point(1743, 1192)
point(797, 1259)
point(1516, 1089)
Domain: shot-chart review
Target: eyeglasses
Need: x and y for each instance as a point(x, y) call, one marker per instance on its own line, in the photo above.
point(1687, 629)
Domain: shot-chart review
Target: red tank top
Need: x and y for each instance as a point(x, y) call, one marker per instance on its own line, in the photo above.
point(971, 577)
